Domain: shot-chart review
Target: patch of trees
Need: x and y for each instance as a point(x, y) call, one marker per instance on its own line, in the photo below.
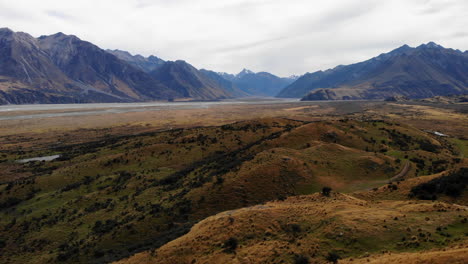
point(333, 257)
point(9, 202)
point(426, 145)
point(68, 251)
point(12, 201)
point(101, 227)
point(330, 137)
point(96, 206)
point(230, 245)
point(123, 177)
point(300, 259)
point(453, 185)
point(245, 127)
point(86, 181)
point(294, 229)
point(438, 166)
point(326, 191)
point(64, 157)
point(119, 160)
point(39, 170)
point(400, 140)
point(419, 162)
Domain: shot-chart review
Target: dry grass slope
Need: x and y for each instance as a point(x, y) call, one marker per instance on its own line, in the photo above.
point(313, 226)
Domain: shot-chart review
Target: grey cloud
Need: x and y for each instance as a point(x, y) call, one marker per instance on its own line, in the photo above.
point(60, 15)
point(249, 45)
point(283, 37)
point(345, 14)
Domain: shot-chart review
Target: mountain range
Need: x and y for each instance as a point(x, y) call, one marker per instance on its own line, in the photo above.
point(62, 68)
point(261, 83)
point(425, 71)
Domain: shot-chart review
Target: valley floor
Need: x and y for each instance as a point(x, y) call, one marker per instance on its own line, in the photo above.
point(235, 182)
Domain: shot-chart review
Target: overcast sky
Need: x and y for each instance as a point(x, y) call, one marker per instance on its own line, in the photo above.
point(284, 37)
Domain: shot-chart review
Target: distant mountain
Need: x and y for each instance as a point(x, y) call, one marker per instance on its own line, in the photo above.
point(189, 82)
point(146, 64)
point(425, 71)
point(224, 83)
point(258, 84)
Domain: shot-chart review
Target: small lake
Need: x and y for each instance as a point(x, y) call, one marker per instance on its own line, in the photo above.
point(44, 158)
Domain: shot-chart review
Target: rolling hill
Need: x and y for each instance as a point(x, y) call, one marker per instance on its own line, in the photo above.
point(425, 71)
point(107, 199)
point(316, 229)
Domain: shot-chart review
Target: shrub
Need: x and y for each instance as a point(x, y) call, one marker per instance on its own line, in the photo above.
point(101, 228)
point(230, 245)
point(300, 259)
point(10, 202)
point(426, 145)
point(332, 257)
point(326, 191)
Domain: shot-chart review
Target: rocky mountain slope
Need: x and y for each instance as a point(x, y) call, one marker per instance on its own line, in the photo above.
point(65, 69)
point(189, 82)
point(98, 70)
point(421, 72)
point(146, 64)
point(27, 74)
point(226, 84)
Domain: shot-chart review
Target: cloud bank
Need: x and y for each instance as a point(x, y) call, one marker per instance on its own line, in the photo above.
point(284, 37)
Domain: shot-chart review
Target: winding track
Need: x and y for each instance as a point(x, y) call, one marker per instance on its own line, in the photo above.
point(402, 173)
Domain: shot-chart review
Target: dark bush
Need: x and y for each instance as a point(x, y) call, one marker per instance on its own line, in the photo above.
point(10, 202)
point(295, 228)
point(230, 245)
point(300, 259)
point(332, 257)
point(103, 228)
point(426, 145)
point(453, 184)
point(326, 191)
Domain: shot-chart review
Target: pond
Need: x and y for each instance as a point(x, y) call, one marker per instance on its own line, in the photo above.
point(43, 158)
